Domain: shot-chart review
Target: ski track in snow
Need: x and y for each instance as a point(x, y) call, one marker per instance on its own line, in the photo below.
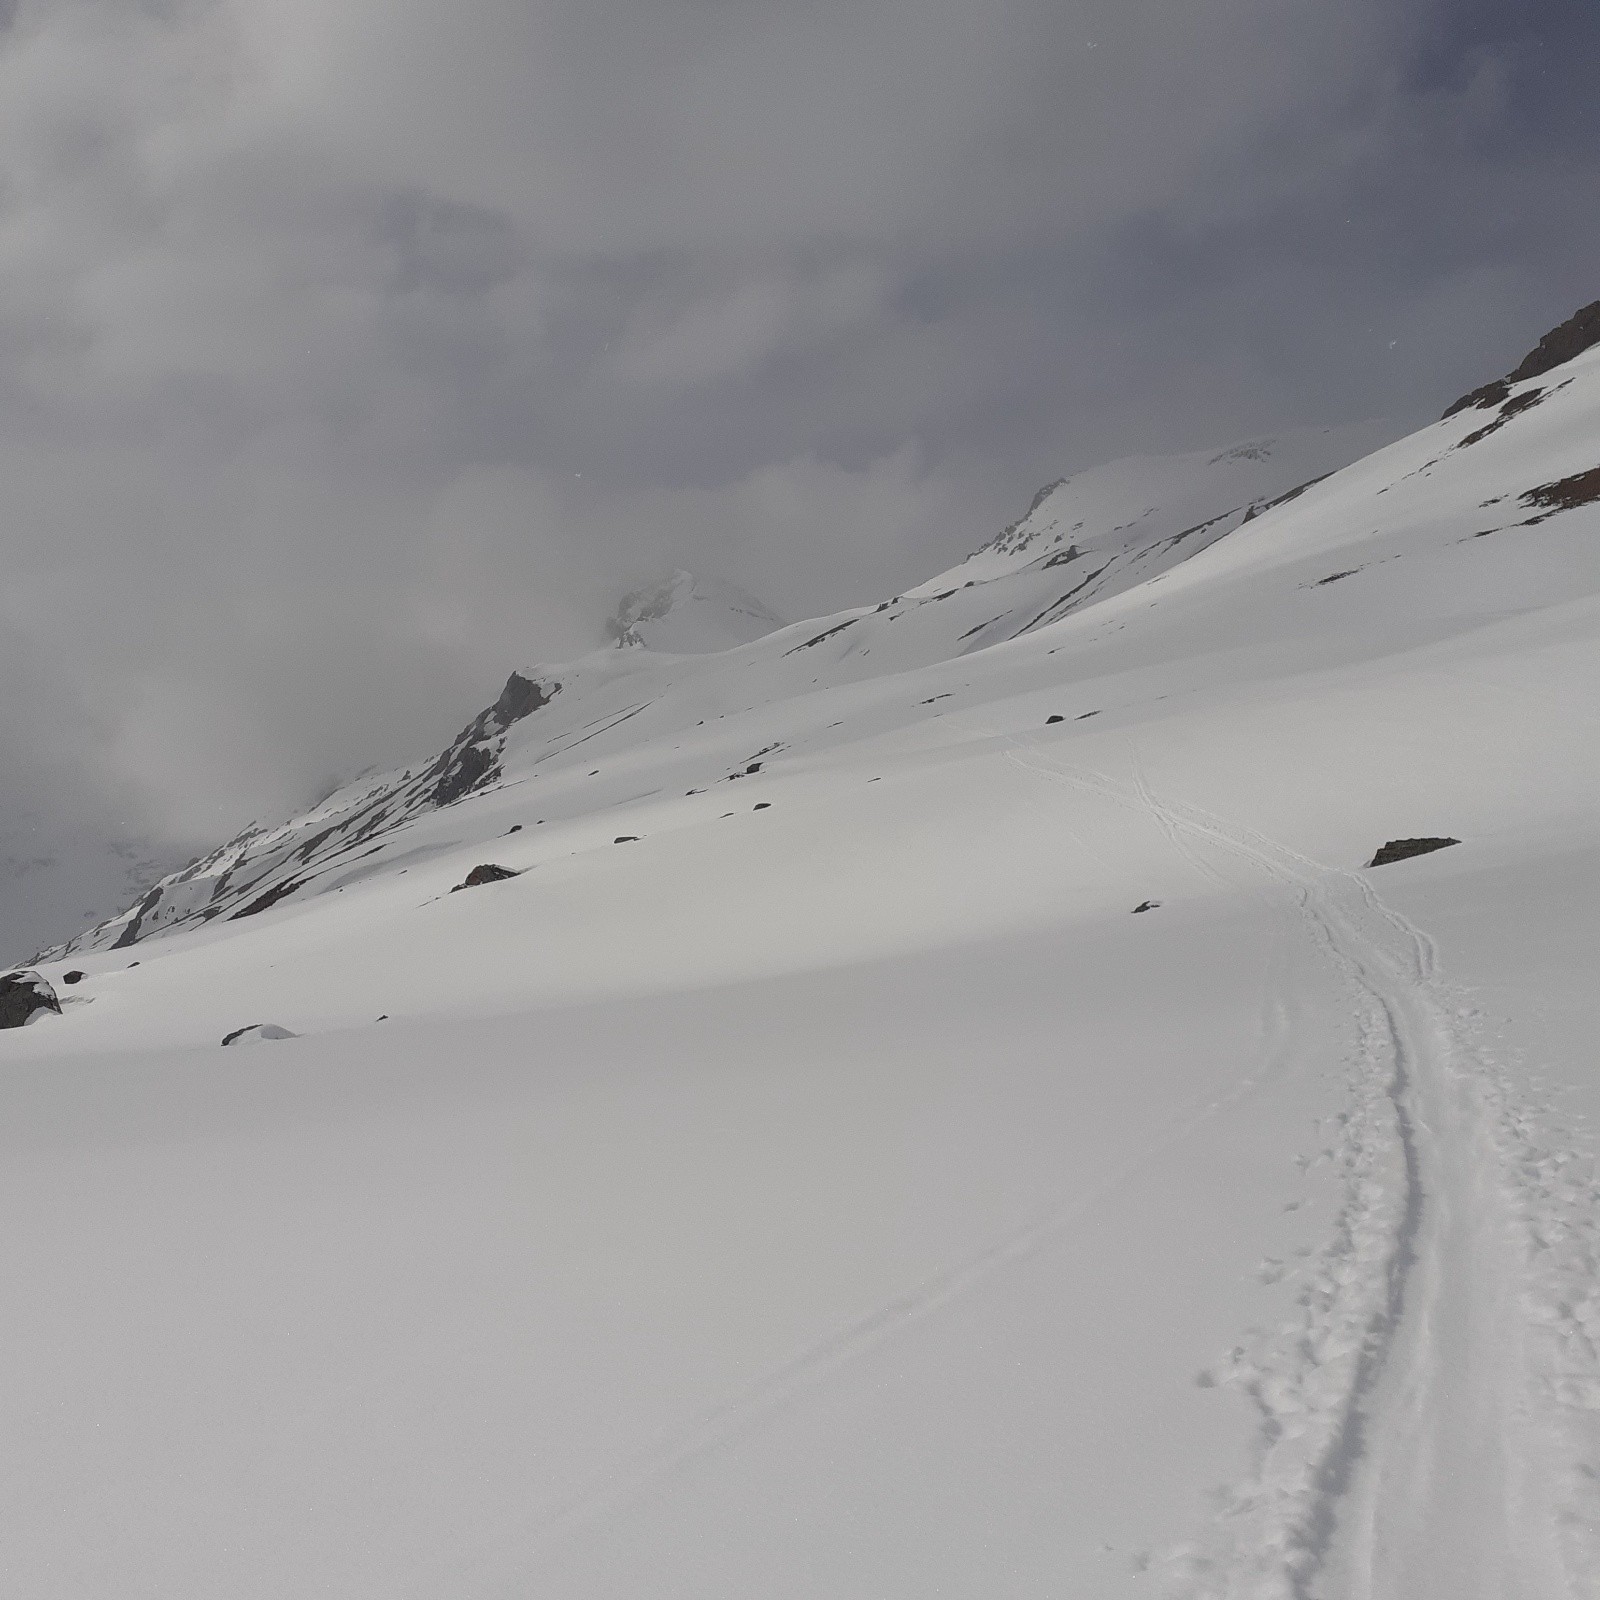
point(1452, 1315)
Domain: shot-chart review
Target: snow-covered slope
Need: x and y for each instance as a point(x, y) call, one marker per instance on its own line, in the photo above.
point(807, 1177)
point(687, 615)
point(1083, 539)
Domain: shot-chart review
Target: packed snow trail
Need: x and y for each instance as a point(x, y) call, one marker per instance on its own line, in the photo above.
point(1428, 1422)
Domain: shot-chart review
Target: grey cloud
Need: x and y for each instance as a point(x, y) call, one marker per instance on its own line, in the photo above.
point(351, 354)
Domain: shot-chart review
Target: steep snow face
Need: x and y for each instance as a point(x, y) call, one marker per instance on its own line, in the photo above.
point(806, 1176)
point(688, 615)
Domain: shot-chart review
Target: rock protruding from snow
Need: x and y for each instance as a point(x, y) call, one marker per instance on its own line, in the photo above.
point(685, 615)
point(258, 1031)
point(22, 994)
point(1580, 332)
point(1404, 849)
point(487, 872)
point(473, 759)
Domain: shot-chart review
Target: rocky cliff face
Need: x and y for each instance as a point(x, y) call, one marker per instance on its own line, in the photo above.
point(263, 866)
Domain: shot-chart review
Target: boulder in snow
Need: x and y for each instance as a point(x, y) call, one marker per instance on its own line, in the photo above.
point(258, 1030)
point(487, 872)
point(1402, 849)
point(21, 995)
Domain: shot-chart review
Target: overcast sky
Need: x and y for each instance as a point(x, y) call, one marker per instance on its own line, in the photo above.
point(353, 352)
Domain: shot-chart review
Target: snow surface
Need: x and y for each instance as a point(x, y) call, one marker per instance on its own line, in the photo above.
point(688, 615)
point(834, 1190)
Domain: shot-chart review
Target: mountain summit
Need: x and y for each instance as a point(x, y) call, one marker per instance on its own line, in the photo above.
point(685, 615)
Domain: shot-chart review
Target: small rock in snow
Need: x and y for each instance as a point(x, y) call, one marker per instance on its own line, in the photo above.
point(258, 1030)
point(1402, 849)
point(1049, 720)
point(1146, 905)
point(74, 976)
point(487, 872)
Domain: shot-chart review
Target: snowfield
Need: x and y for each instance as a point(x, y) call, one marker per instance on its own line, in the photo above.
point(807, 1176)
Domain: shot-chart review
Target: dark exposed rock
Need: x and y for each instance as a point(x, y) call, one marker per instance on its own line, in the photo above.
point(487, 872)
point(827, 633)
point(1403, 849)
point(465, 769)
point(1049, 720)
point(1567, 494)
point(520, 697)
point(264, 902)
point(258, 1030)
point(626, 838)
point(1335, 577)
point(22, 994)
point(1490, 394)
point(473, 760)
point(73, 977)
point(1514, 407)
point(130, 933)
point(1578, 333)
point(1146, 905)
point(762, 805)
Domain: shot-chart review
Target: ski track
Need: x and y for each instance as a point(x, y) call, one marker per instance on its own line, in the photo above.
point(1452, 1315)
point(1350, 1394)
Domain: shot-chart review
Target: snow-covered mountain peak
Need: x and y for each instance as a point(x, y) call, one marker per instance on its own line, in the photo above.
point(682, 614)
point(1137, 512)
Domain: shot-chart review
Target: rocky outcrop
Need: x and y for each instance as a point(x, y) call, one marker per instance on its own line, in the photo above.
point(1580, 332)
point(21, 995)
point(488, 872)
point(258, 1030)
point(474, 759)
point(1404, 849)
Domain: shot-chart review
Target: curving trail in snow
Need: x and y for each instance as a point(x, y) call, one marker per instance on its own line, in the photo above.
point(1428, 1423)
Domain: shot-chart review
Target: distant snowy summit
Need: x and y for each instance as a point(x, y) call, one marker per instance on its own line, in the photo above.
point(686, 615)
point(1160, 506)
